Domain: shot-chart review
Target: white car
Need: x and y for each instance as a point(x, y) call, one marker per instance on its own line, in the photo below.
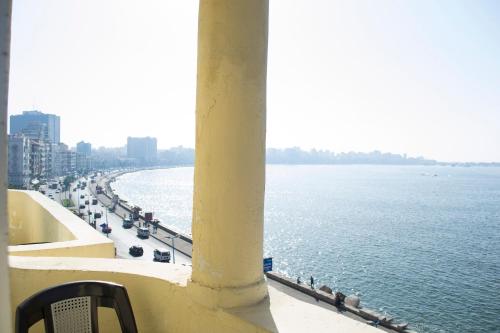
point(161, 255)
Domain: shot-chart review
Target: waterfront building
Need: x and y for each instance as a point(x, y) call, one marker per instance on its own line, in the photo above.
point(19, 160)
point(83, 156)
point(83, 162)
point(144, 150)
point(52, 159)
point(84, 148)
point(28, 159)
point(36, 131)
point(39, 159)
point(66, 161)
point(36, 124)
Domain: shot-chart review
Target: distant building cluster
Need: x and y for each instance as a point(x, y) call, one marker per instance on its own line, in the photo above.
point(143, 150)
point(36, 153)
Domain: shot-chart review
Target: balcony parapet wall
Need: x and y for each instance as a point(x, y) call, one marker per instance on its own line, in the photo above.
point(39, 226)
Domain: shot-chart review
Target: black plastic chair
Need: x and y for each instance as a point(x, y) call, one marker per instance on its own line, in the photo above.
point(72, 307)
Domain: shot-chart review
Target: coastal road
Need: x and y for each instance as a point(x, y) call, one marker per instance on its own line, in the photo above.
point(123, 238)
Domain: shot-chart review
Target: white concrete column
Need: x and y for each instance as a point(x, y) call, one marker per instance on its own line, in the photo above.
point(5, 19)
point(230, 153)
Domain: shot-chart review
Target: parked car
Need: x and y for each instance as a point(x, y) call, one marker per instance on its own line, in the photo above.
point(86, 202)
point(82, 196)
point(94, 201)
point(136, 251)
point(161, 255)
point(82, 206)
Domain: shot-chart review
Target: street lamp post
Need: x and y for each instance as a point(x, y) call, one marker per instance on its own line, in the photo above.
point(78, 199)
point(173, 245)
point(107, 226)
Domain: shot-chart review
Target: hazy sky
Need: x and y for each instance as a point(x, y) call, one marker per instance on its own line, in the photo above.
point(420, 77)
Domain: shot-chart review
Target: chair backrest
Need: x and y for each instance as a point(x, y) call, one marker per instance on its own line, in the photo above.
point(72, 307)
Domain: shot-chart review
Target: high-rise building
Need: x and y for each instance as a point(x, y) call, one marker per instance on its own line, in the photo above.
point(84, 148)
point(28, 159)
point(83, 162)
point(36, 125)
point(65, 163)
point(19, 153)
point(40, 159)
point(144, 150)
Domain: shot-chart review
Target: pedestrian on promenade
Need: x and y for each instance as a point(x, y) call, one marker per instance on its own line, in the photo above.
point(298, 280)
point(312, 282)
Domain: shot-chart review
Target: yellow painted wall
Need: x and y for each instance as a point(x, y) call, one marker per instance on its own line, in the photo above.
point(30, 222)
point(157, 292)
point(33, 218)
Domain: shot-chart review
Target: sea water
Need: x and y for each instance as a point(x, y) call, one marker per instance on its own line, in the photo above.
point(419, 243)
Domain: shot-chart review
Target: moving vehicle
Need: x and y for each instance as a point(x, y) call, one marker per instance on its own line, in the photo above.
point(136, 212)
point(143, 232)
point(106, 229)
point(127, 223)
point(161, 255)
point(136, 251)
point(98, 189)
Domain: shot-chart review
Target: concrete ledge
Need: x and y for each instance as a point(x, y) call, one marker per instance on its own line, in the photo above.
point(54, 230)
point(316, 293)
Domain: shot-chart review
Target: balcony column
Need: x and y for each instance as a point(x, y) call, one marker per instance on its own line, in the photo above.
point(5, 19)
point(230, 153)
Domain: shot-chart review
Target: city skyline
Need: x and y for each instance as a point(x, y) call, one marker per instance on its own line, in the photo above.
point(308, 156)
point(415, 78)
